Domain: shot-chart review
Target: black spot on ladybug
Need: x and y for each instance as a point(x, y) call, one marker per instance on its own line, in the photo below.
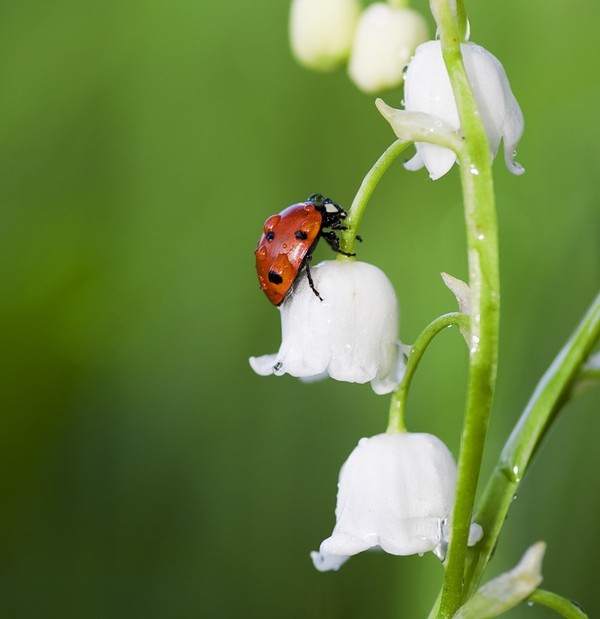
point(301, 235)
point(275, 278)
point(270, 235)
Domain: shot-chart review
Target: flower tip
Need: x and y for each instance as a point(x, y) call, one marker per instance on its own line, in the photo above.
point(531, 562)
point(384, 109)
point(263, 366)
point(475, 534)
point(514, 167)
point(325, 562)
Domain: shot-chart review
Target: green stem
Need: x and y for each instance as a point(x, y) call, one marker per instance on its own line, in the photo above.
point(557, 603)
point(553, 390)
point(482, 243)
point(397, 406)
point(366, 189)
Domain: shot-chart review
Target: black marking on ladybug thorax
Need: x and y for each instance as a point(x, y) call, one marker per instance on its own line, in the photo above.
point(275, 278)
point(301, 235)
point(270, 235)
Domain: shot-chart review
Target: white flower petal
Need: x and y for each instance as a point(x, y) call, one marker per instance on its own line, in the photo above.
point(263, 366)
point(385, 39)
point(321, 31)
point(395, 492)
point(428, 90)
point(326, 562)
point(352, 335)
point(414, 164)
point(437, 159)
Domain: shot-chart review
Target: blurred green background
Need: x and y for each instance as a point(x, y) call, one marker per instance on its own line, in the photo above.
point(146, 471)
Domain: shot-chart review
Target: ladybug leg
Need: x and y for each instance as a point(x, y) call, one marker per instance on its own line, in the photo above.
point(340, 226)
point(311, 283)
point(334, 242)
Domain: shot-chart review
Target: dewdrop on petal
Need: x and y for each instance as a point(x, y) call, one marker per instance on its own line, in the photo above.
point(427, 90)
point(395, 492)
point(321, 31)
point(385, 39)
point(352, 335)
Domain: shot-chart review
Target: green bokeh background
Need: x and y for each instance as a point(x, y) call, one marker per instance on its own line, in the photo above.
point(146, 471)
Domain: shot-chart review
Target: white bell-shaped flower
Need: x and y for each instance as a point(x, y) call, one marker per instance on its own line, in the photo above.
point(351, 335)
point(385, 39)
point(395, 492)
point(321, 31)
point(428, 90)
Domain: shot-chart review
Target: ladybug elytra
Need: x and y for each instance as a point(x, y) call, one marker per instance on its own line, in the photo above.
point(289, 239)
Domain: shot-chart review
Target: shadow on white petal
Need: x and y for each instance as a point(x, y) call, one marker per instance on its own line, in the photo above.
point(314, 378)
point(325, 562)
point(513, 166)
point(414, 164)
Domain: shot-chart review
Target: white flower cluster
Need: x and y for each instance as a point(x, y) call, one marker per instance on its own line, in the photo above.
point(396, 490)
point(377, 43)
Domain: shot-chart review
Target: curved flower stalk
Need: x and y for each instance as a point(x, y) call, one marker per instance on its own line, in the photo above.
point(385, 39)
point(396, 493)
point(352, 335)
point(428, 90)
point(321, 31)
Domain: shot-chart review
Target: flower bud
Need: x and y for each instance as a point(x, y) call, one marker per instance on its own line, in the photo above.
point(385, 39)
point(321, 31)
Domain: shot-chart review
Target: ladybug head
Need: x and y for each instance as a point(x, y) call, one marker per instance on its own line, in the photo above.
point(317, 198)
point(332, 213)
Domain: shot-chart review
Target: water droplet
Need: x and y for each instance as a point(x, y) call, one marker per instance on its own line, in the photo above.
point(529, 603)
point(403, 103)
point(512, 474)
point(514, 497)
point(515, 471)
point(262, 253)
point(481, 236)
point(473, 170)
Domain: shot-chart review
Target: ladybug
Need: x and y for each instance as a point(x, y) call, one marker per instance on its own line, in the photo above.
point(290, 238)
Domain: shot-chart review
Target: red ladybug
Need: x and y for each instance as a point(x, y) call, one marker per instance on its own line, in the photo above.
point(289, 240)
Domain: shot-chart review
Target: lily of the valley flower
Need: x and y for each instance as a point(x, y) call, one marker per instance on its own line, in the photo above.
point(385, 39)
point(428, 90)
point(351, 335)
point(321, 31)
point(395, 492)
